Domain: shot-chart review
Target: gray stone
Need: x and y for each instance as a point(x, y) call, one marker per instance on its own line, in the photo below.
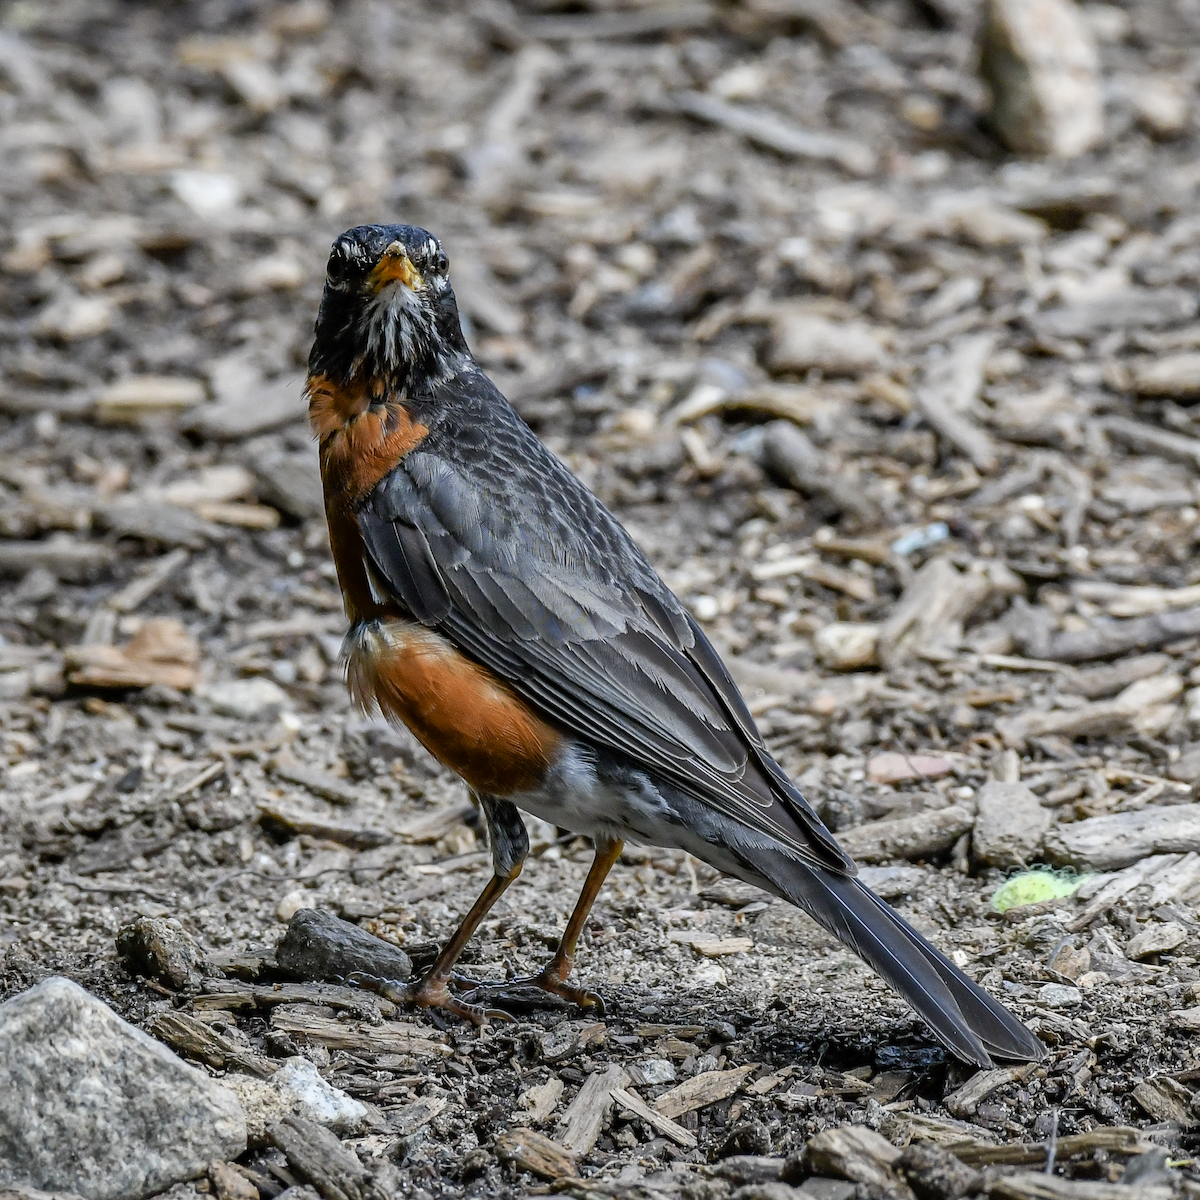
point(247, 699)
point(319, 945)
point(1041, 62)
point(94, 1106)
point(1009, 825)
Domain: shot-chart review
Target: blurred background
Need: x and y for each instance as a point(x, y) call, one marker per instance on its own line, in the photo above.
point(875, 320)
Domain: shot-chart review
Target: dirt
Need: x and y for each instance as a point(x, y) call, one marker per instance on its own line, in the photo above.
point(637, 281)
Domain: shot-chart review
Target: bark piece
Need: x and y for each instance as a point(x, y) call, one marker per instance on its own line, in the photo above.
point(263, 406)
point(710, 946)
point(701, 1090)
point(318, 945)
point(964, 1101)
point(856, 1153)
point(361, 1036)
point(531, 1151)
point(1111, 842)
point(802, 341)
point(1155, 938)
point(918, 837)
point(160, 949)
point(790, 455)
point(1134, 308)
point(948, 392)
point(1009, 825)
point(1114, 1139)
point(320, 783)
point(296, 820)
point(63, 558)
point(589, 1112)
point(230, 1184)
point(317, 1155)
point(765, 128)
point(161, 652)
point(935, 1174)
point(1147, 439)
point(632, 1103)
point(892, 766)
point(1176, 375)
point(195, 1039)
point(137, 398)
point(1039, 1186)
point(1100, 682)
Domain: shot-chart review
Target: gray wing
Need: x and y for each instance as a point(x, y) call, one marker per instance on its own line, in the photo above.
point(522, 568)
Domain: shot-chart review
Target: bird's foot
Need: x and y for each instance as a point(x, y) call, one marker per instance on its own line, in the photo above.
point(515, 993)
point(430, 992)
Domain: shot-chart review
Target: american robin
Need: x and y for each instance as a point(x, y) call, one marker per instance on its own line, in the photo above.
point(502, 613)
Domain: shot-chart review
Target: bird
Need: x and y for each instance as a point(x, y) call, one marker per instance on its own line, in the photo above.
point(502, 613)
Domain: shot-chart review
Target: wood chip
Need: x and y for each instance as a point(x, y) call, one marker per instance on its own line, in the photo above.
point(295, 820)
point(589, 1112)
point(320, 783)
point(316, 1155)
point(632, 1103)
point(919, 837)
point(710, 946)
point(856, 1153)
point(194, 1039)
point(1039, 1186)
point(531, 1151)
point(965, 1100)
point(542, 1099)
point(360, 1036)
point(701, 1090)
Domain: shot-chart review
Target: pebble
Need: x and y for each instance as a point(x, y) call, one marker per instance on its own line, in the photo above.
point(246, 699)
point(96, 1107)
point(297, 1088)
point(1059, 995)
point(1041, 62)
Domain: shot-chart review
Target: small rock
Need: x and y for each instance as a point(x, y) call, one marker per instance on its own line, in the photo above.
point(894, 767)
point(72, 318)
point(1059, 995)
point(1041, 62)
point(297, 900)
point(159, 948)
point(1156, 938)
point(247, 699)
point(802, 341)
point(1160, 105)
point(319, 945)
point(96, 1107)
point(654, 1071)
point(847, 645)
point(298, 1089)
point(1009, 825)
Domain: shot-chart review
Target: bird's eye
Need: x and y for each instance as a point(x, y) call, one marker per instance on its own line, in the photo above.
point(341, 261)
point(441, 264)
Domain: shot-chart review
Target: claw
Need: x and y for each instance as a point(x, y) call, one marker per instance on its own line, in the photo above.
point(429, 993)
point(515, 992)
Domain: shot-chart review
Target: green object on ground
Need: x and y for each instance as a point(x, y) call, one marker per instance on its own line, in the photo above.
point(1034, 887)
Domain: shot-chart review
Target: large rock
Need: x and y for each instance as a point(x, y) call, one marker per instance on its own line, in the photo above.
point(1040, 59)
point(1009, 825)
point(93, 1106)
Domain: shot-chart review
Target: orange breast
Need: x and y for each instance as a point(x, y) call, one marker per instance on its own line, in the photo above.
point(468, 720)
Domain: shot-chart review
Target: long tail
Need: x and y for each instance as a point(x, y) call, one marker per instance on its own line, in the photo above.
point(964, 1017)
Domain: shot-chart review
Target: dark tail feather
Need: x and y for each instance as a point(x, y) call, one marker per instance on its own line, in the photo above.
point(965, 1018)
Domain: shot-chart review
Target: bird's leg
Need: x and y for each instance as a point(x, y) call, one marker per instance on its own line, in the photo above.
point(510, 845)
point(553, 976)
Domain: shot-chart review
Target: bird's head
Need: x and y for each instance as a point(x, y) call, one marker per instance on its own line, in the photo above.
point(388, 310)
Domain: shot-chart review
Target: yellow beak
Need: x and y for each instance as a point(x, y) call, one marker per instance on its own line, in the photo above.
point(394, 267)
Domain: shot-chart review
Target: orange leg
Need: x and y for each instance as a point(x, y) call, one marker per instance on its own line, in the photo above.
point(510, 844)
point(553, 976)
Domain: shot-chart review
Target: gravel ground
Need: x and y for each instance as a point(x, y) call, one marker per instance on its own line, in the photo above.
point(905, 420)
